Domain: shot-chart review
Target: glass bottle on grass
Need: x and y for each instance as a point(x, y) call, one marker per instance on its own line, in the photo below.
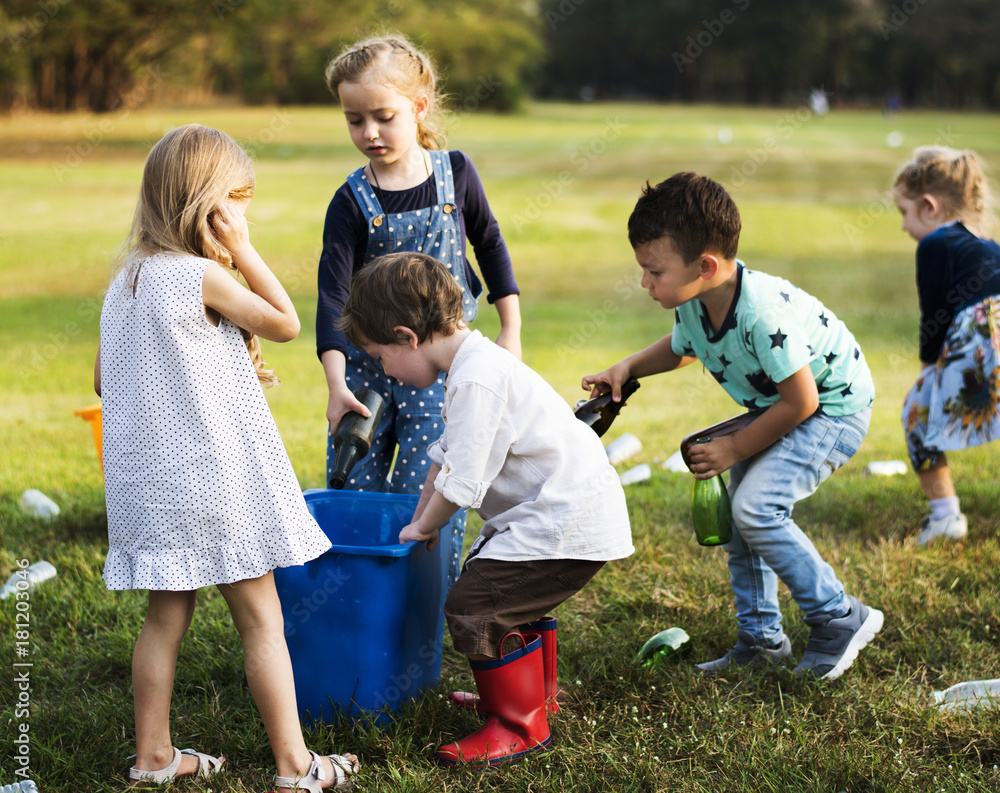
point(354, 436)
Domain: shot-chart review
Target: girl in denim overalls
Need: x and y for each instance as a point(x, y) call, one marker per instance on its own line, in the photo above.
point(411, 196)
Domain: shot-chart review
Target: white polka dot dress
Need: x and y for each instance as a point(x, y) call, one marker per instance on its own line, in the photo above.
point(200, 490)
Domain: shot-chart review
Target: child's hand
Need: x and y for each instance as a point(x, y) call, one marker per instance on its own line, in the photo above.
point(229, 225)
point(415, 531)
point(713, 457)
point(610, 379)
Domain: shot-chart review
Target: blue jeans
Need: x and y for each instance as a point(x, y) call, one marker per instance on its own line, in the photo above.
point(766, 543)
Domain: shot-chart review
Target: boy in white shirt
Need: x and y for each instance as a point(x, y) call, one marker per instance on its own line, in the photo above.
point(553, 507)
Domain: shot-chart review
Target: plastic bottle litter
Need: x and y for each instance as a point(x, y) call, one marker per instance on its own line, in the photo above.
point(25, 786)
point(24, 580)
point(666, 644)
point(886, 468)
point(38, 504)
point(675, 463)
point(638, 474)
point(969, 695)
point(620, 449)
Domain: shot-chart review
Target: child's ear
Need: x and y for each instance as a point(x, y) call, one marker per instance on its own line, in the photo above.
point(421, 106)
point(930, 203)
point(709, 265)
point(407, 336)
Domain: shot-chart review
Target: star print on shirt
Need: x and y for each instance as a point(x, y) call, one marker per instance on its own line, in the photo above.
point(830, 357)
point(846, 392)
point(720, 376)
point(750, 404)
point(778, 339)
point(824, 319)
point(762, 384)
point(746, 339)
point(787, 298)
point(724, 360)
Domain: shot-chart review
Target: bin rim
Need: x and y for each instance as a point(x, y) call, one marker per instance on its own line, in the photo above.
point(395, 550)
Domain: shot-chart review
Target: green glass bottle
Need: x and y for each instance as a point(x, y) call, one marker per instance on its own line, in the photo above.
point(662, 647)
point(711, 511)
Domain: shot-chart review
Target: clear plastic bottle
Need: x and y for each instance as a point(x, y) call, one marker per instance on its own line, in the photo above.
point(25, 786)
point(598, 413)
point(39, 504)
point(354, 436)
point(969, 695)
point(31, 577)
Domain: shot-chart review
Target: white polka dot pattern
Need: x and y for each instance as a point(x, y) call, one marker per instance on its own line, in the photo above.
point(200, 490)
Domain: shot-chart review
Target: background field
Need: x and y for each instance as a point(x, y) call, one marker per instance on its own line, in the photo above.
point(814, 197)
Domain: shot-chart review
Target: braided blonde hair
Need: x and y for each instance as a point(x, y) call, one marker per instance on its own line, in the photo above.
point(392, 61)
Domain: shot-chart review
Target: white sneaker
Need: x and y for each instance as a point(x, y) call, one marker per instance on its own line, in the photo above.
point(953, 527)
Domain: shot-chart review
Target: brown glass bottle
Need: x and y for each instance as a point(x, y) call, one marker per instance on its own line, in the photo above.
point(354, 436)
point(599, 413)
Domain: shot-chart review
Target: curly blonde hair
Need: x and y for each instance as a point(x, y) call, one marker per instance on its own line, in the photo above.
point(188, 174)
point(394, 62)
point(956, 178)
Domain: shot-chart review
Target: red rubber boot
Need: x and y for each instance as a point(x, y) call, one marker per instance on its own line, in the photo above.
point(512, 692)
point(546, 627)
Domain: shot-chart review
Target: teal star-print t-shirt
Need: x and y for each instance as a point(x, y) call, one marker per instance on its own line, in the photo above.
point(772, 330)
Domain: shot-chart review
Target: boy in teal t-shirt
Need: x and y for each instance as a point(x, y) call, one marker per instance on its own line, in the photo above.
point(774, 349)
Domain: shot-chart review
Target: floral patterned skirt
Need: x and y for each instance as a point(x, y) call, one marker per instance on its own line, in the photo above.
point(954, 403)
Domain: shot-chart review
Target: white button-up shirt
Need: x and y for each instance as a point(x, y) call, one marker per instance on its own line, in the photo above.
point(513, 451)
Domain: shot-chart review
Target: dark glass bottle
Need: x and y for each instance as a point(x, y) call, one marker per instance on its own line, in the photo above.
point(598, 413)
point(710, 506)
point(354, 436)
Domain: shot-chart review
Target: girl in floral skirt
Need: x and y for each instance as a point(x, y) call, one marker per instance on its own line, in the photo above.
point(942, 196)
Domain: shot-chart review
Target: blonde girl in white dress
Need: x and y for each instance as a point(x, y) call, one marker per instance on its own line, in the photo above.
point(200, 491)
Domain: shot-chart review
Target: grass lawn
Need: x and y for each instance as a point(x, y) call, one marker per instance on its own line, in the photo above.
point(813, 193)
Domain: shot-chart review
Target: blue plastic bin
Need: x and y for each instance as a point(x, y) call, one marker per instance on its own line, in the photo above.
point(364, 622)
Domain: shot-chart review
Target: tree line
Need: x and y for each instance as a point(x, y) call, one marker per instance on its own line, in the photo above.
point(97, 55)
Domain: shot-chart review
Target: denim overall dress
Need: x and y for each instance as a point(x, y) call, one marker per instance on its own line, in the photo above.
point(412, 417)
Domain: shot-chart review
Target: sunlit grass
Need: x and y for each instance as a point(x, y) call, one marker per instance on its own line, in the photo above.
point(562, 179)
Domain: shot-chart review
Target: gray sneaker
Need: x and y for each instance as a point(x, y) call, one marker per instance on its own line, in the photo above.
point(748, 653)
point(834, 643)
point(952, 527)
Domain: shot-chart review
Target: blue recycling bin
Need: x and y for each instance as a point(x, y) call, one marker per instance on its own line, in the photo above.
point(364, 622)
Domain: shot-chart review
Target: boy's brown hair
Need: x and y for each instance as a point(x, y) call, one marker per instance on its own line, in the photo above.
point(694, 211)
point(412, 290)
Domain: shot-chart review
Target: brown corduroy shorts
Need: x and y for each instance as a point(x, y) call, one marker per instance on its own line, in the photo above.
point(492, 597)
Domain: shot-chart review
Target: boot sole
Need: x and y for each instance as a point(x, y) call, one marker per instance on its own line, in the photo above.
point(507, 758)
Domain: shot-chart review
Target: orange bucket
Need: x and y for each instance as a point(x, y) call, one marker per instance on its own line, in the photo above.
point(92, 415)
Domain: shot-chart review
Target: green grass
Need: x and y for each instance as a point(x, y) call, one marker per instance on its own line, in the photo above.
point(562, 179)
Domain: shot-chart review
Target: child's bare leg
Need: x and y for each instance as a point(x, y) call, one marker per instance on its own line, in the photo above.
point(256, 613)
point(154, 662)
point(936, 481)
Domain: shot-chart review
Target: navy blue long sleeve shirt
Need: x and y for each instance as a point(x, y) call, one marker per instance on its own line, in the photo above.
point(345, 238)
point(955, 270)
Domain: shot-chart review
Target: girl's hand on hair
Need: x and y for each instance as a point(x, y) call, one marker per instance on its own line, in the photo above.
point(229, 225)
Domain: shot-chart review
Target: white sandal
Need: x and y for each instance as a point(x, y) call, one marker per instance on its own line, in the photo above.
point(208, 766)
point(343, 770)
